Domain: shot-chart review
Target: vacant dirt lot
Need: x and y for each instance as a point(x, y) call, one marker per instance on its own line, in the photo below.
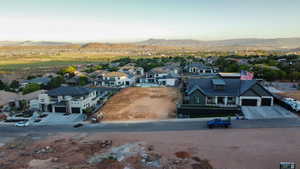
point(141, 104)
point(230, 149)
point(293, 94)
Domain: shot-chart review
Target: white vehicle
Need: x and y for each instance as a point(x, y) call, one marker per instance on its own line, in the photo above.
point(22, 124)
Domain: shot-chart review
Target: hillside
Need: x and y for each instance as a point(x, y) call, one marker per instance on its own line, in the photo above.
point(273, 43)
point(33, 43)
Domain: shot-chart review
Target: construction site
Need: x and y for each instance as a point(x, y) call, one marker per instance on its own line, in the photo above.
point(135, 103)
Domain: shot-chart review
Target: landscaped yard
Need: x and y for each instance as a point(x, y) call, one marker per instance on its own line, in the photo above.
point(141, 104)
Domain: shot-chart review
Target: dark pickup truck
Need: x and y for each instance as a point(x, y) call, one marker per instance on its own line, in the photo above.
point(219, 123)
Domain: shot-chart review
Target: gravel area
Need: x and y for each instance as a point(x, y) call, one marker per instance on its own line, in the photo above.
point(230, 148)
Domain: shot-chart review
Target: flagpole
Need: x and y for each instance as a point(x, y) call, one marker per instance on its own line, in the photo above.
point(240, 88)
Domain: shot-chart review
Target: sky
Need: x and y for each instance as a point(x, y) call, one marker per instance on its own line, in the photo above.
point(136, 20)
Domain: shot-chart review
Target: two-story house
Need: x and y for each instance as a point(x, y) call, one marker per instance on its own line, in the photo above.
point(67, 99)
point(166, 76)
point(131, 69)
point(116, 79)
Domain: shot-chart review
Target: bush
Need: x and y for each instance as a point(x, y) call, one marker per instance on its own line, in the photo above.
point(31, 88)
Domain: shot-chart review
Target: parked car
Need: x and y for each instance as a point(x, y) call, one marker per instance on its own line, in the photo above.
point(219, 123)
point(43, 115)
point(78, 125)
point(22, 124)
point(37, 120)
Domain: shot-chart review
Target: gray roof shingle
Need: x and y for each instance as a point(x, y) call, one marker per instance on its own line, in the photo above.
point(69, 91)
point(233, 87)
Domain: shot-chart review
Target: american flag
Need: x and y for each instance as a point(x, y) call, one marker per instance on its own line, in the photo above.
point(246, 75)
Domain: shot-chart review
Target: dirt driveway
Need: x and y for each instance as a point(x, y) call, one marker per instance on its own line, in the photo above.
point(141, 104)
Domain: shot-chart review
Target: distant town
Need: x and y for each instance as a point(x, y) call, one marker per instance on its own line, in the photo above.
point(160, 92)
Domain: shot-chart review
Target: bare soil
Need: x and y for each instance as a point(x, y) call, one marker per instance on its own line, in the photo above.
point(207, 149)
point(293, 94)
point(141, 104)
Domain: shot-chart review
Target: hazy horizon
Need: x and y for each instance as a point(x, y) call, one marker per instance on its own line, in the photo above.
point(138, 20)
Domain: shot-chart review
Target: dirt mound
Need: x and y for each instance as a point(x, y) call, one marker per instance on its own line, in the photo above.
point(182, 155)
point(141, 104)
point(78, 153)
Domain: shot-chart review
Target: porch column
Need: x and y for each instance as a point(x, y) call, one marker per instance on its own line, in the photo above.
point(225, 100)
point(216, 100)
point(53, 109)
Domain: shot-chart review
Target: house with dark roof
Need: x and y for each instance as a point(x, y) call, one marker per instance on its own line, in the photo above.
point(227, 92)
point(38, 80)
point(68, 99)
point(199, 68)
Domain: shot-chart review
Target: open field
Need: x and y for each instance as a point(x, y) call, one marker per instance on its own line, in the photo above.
point(232, 149)
point(18, 57)
point(141, 104)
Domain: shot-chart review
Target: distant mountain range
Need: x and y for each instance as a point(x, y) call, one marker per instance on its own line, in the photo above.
point(269, 44)
point(33, 43)
point(273, 43)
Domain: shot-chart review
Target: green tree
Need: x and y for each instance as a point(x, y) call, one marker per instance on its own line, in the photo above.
point(71, 70)
point(3, 86)
point(55, 82)
point(83, 80)
point(32, 87)
point(14, 84)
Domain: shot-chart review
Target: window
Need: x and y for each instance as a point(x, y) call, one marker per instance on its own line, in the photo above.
point(231, 100)
point(197, 99)
point(211, 100)
point(221, 100)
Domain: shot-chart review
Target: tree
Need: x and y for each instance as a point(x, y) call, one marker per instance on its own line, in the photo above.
point(32, 87)
point(55, 82)
point(2, 85)
point(70, 70)
point(14, 84)
point(83, 80)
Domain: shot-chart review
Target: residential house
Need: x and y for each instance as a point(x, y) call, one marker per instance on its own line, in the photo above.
point(239, 61)
point(16, 101)
point(227, 92)
point(116, 79)
point(7, 99)
point(199, 68)
point(38, 80)
point(68, 100)
point(131, 69)
point(166, 76)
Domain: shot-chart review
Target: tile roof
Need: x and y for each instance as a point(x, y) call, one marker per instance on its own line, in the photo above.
point(115, 74)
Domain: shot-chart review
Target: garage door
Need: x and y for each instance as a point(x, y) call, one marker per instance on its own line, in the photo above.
point(75, 110)
point(249, 102)
point(60, 109)
point(266, 101)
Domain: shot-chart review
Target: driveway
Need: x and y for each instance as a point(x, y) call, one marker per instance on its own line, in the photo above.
point(59, 118)
point(267, 112)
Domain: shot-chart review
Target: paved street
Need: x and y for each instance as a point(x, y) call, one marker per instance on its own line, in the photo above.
point(180, 125)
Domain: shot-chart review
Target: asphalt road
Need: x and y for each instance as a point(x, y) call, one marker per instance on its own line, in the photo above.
point(180, 125)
